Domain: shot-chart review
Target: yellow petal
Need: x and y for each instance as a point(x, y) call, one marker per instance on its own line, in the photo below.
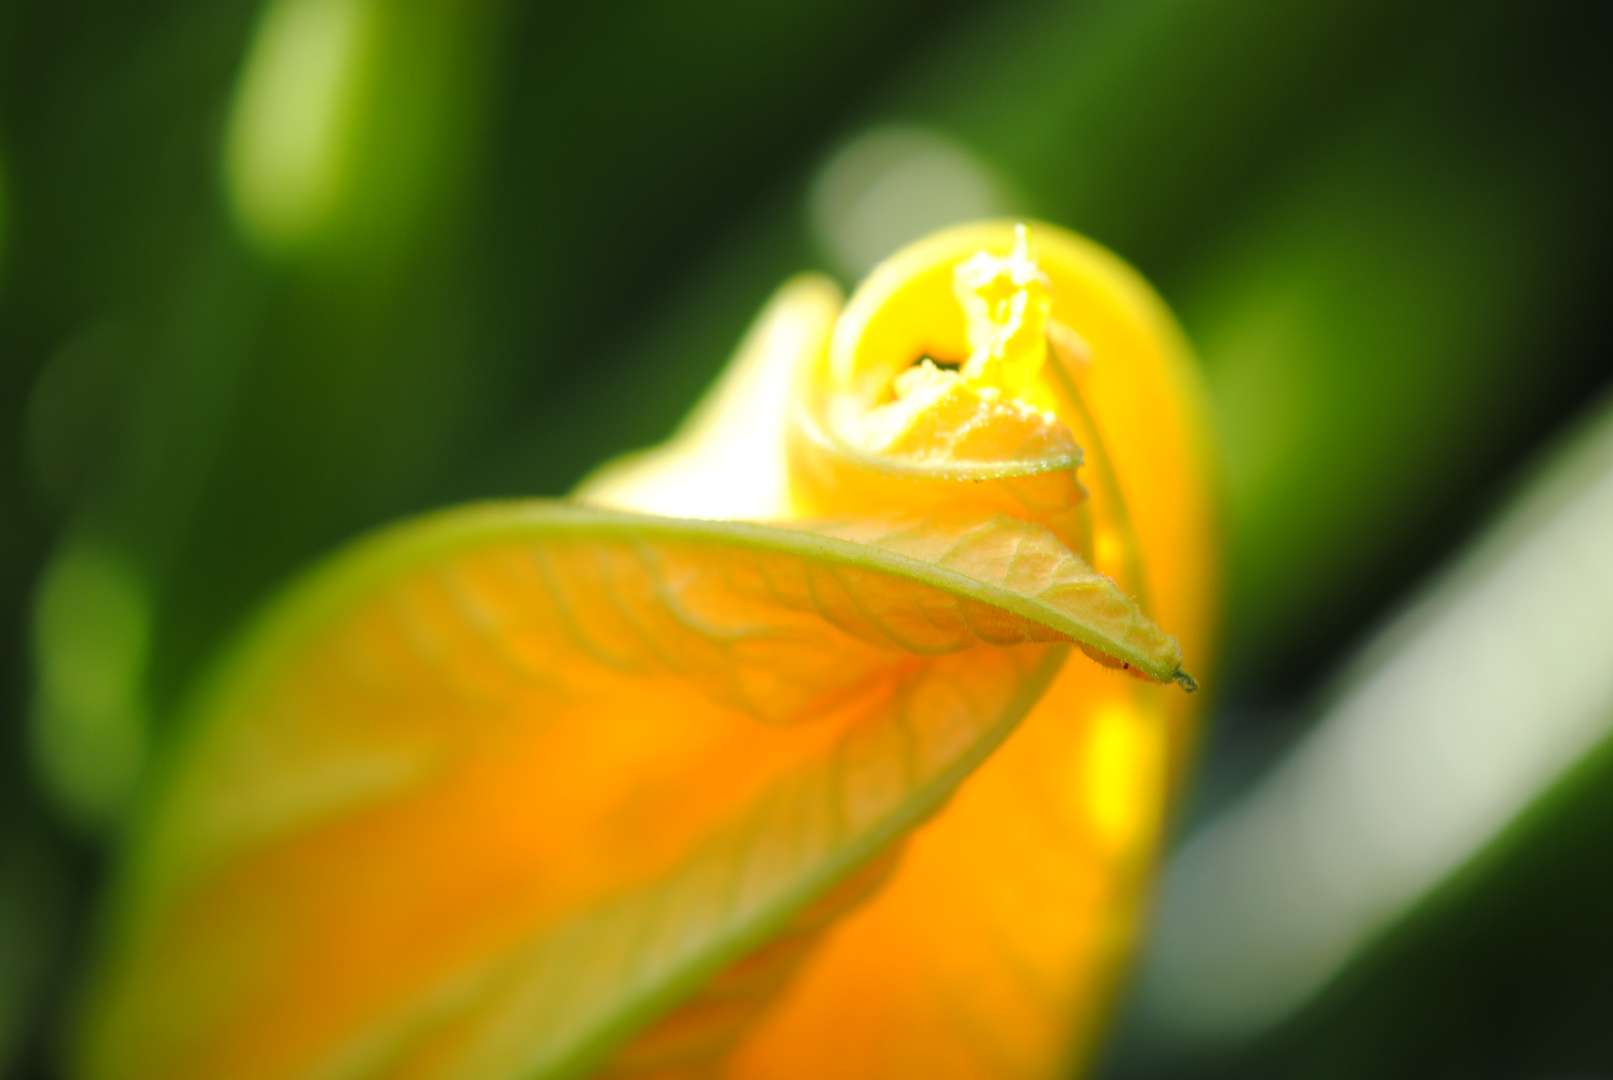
point(497, 789)
point(728, 458)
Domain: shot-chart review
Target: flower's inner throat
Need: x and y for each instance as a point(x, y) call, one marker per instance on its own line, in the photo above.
point(995, 405)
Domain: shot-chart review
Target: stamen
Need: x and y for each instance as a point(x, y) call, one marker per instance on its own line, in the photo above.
point(995, 407)
point(1007, 301)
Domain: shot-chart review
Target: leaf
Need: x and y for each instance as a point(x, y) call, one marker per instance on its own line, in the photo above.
point(495, 790)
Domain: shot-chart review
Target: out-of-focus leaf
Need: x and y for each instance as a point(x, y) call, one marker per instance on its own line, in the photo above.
point(33, 895)
point(1403, 313)
point(92, 627)
point(1446, 743)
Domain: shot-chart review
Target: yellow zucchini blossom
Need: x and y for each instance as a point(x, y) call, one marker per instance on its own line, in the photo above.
point(766, 757)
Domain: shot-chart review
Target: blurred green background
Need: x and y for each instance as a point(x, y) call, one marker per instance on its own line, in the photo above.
point(274, 272)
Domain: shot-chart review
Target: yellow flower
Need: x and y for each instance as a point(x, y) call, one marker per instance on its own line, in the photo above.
point(625, 786)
